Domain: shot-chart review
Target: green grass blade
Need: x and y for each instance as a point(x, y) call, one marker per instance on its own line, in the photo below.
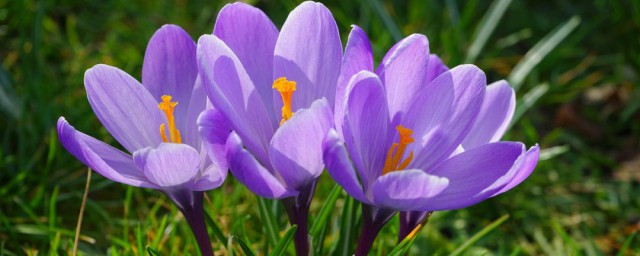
point(627, 244)
point(486, 230)
point(403, 246)
point(325, 211)
point(528, 100)
point(386, 19)
point(486, 27)
point(217, 231)
point(268, 220)
point(152, 252)
point(540, 51)
point(246, 249)
point(347, 226)
point(281, 247)
point(552, 152)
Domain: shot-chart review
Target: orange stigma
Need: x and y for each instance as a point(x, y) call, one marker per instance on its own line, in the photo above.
point(396, 151)
point(286, 89)
point(167, 106)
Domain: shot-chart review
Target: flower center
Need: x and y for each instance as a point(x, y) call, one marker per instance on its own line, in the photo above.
point(286, 89)
point(396, 151)
point(167, 106)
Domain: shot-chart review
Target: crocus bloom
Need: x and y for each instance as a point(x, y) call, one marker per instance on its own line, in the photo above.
point(156, 123)
point(276, 89)
point(490, 125)
point(400, 127)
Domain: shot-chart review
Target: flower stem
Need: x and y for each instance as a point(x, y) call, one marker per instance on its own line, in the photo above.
point(373, 219)
point(298, 211)
point(190, 204)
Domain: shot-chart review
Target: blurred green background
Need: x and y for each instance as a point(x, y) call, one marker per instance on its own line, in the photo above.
point(574, 63)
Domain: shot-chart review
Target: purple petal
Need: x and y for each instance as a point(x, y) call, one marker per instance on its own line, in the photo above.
point(197, 104)
point(170, 68)
point(215, 130)
point(109, 162)
point(169, 164)
point(366, 126)
point(210, 178)
point(494, 117)
point(296, 148)
point(251, 173)
point(404, 72)
point(231, 91)
point(470, 174)
point(523, 170)
point(405, 190)
point(436, 67)
point(340, 168)
point(309, 52)
point(357, 57)
point(252, 37)
point(442, 135)
point(124, 106)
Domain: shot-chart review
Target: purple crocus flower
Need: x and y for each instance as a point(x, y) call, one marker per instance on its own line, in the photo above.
point(493, 119)
point(398, 130)
point(276, 89)
point(156, 123)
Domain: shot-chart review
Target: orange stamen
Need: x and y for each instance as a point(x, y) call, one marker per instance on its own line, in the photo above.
point(396, 151)
point(286, 89)
point(167, 106)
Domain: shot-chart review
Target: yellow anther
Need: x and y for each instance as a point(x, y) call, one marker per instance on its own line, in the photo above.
point(286, 89)
point(167, 106)
point(394, 155)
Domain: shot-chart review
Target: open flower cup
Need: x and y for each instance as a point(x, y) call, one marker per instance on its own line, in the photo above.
point(413, 135)
point(156, 123)
point(276, 90)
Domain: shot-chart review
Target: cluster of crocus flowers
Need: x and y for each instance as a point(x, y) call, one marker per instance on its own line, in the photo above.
point(417, 137)
point(156, 122)
point(276, 90)
point(411, 136)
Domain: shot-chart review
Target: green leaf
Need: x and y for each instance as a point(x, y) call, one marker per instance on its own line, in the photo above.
point(284, 243)
point(325, 212)
point(486, 230)
point(217, 231)
point(486, 27)
point(386, 19)
point(152, 252)
point(540, 51)
point(403, 247)
point(528, 100)
point(346, 227)
point(552, 152)
point(627, 244)
point(268, 221)
point(246, 249)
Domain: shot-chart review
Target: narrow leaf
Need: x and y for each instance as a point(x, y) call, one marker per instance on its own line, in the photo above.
point(325, 212)
point(386, 19)
point(486, 230)
point(486, 27)
point(246, 249)
point(268, 221)
point(284, 243)
point(217, 231)
point(528, 100)
point(540, 51)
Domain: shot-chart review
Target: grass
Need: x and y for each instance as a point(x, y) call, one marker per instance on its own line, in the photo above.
point(575, 64)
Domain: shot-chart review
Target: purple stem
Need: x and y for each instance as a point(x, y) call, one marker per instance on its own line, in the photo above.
point(190, 204)
point(298, 211)
point(373, 219)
